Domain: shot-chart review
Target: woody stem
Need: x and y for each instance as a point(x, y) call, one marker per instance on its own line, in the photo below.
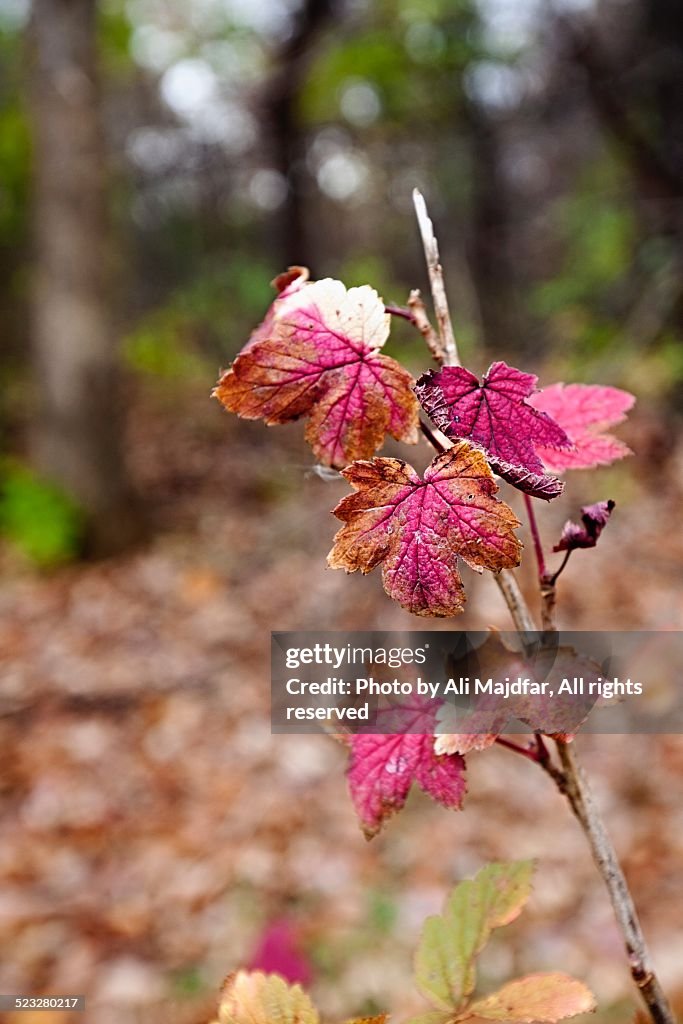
point(535, 535)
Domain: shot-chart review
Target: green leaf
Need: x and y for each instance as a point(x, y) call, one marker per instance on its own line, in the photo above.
point(251, 997)
point(431, 1017)
point(445, 960)
point(439, 965)
point(536, 999)
point(37, 516)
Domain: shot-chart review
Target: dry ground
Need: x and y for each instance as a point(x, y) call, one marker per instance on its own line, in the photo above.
point(151, 825)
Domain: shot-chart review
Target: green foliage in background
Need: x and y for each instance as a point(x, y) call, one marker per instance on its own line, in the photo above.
point(609, 299)
point(201, 324)
point(14, 161)
point(598, 232)
point(115, 33)
point(188, 982)
point(15, 147)
point(37, 517)
point(413, 54)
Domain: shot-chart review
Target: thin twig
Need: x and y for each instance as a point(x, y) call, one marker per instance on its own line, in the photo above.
point(423, 324)
point(517, 606)
point(572, 783)
point(535, 535)
point(435, 270)
point(582, 802)
point(542, 750)
point(433, 438)
point(554, 576)
point(416, 314)
point(545, 581)
point(527, 752)
point(400, 311)
point(548, 601)
point(548, 588)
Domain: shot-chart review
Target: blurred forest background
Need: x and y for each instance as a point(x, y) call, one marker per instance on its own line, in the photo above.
point(160, 163)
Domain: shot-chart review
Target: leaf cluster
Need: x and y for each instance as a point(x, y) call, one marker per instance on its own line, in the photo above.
point(445, 968)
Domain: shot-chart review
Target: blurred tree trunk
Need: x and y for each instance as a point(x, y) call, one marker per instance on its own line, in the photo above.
point(489, 245)
point(643, 114)
point(76, 437)
point(288, 138)
point(643, 118)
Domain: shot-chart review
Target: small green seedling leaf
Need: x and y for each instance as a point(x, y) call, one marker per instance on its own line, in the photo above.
point(445, 963)
point(432, 1017)
point(445, 960)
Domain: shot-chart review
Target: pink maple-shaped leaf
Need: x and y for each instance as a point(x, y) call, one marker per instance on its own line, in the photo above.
point(382, 768)
point(418, 528)
point(584, 411)
point(318, 355)
point(496, 415)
